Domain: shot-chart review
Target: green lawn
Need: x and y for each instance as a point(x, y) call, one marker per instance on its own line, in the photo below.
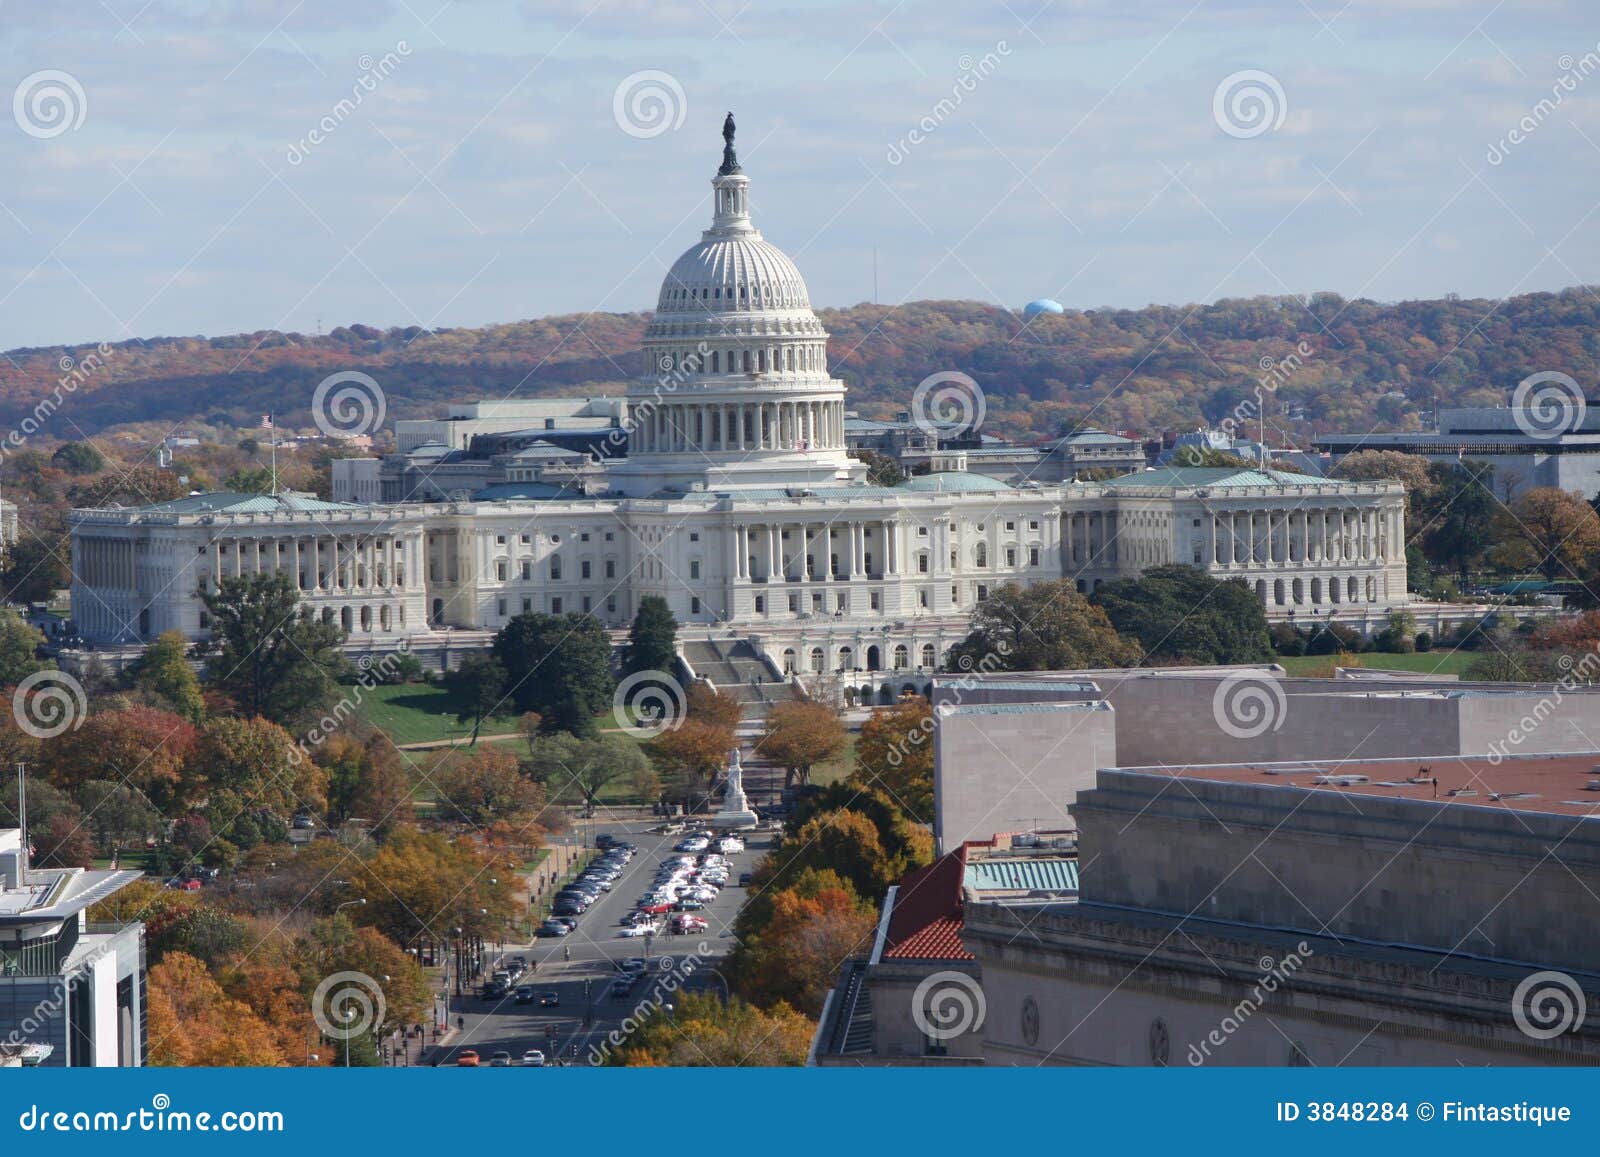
point(1427, 662)
point(421, 713)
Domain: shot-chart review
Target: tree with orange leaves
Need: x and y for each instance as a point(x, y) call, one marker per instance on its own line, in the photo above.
point(193, 1022)
point(814, 927)
point(799, 735)
point(690, 755)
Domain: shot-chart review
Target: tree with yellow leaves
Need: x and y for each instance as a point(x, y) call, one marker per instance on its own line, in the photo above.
point(193, 1022)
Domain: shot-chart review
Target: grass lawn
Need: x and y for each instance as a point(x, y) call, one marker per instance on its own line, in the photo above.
point(1426, 662)
point(838, 767)
point(421, 713)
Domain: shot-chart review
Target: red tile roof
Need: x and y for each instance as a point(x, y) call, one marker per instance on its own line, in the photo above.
point(926, 921)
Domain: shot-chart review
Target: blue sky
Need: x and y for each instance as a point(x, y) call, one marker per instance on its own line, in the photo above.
point(486, 175)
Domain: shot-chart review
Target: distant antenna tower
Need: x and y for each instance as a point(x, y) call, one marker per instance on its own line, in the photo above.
point(319, 325)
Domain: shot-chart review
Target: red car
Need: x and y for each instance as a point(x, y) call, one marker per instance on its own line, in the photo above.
point(656, 909)
point(468, 1059)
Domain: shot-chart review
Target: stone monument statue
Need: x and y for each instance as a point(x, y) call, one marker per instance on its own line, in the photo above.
point(735, 811)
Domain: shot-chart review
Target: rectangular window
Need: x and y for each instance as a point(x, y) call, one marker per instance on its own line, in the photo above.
point(876, 603)
point(555, 569)
point(583, 538)
point(922, 599)
point(500, 571)
point(794, 604)
point(694, 536)
point(922, 532)
point(499, 540)
point(527, 606)
point(1011, 556)
point(922, 564)
point(1033, 524)
point(611, 568)
point(761, 605)
point(586, 604)
point(983, 592)
point(555, 606)
point(500, 607)
point(1010, 525)
point(694, 568)
point(527, 570)
point(524, 539)
point(694, 606)
point(1033, 556)
point(611, 606)
point(583, 568)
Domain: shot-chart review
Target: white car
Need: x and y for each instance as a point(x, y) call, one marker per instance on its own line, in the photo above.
point(533, 1059)
point(649, 929)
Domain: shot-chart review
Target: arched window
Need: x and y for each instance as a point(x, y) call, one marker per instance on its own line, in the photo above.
point(847, 658)
point(366, 618)
point(980, 555)
point(1278, 592)
point(1353, 590)
point(902, 657)
point(789, 661)
point(926, 659)
point(816, 660)
point(716, 358)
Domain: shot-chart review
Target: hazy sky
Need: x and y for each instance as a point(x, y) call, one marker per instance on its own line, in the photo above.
point(1078, 149)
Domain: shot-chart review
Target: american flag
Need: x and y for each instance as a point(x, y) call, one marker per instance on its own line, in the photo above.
point(266, 421)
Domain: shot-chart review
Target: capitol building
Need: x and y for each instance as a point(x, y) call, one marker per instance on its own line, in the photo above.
point(722, 484)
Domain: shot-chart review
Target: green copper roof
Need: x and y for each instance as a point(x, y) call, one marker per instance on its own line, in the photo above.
point(954, 482)
point(229, 502)
point(1023, 874)
point(1213, 477)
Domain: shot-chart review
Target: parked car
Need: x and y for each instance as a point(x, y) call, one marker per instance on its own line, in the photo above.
point(553, 927)
point(533, 1059)
point(500, 1060)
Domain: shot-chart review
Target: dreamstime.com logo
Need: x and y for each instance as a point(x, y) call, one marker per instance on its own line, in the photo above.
point(47, 703)
point(1547, 405)
point(948, 1004)
point(348, 404)
point(348, 1004)
point(649, 103)
point(48, 103)
point(1248, 103)
point(649, 703)
point(945, 400)
point(1547, 1004)
point(1248, 705)
point(160, 1117)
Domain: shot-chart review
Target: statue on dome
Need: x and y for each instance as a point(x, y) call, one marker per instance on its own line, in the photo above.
point(730, 160)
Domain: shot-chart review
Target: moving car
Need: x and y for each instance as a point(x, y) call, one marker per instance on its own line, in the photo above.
point(525, 994)
point(500, 1060)
point(533, 1059)
point(468, 1059)
point(640, 930)
point(554, 927)
point(551, 999)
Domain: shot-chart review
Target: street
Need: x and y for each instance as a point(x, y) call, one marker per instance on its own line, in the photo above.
point(595, 948)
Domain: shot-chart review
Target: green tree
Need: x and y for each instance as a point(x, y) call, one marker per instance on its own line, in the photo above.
point(36, 564)
point(253, 480)
point(653, 638)
point(1458, 523)
point(164, 671)
point(558, 666)
point(18, 643)
point(882, 470)
point(273, 662)
point(1179, 613)
point(78, 458)
point(567, 765)
point(1045, 627)
point(117, 814)
point(477, 687)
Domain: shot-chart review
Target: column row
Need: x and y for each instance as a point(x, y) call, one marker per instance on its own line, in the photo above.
point(317, 563)
point(683, 427)
point(772, 552)
point(1306, 536)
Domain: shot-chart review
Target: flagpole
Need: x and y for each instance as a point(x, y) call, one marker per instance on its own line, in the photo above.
point(274, 428)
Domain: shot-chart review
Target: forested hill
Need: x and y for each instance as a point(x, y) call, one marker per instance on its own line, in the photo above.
point(1161, 367)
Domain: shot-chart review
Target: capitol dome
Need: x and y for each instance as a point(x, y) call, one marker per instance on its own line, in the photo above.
point(737, 389)
point(725, 274)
